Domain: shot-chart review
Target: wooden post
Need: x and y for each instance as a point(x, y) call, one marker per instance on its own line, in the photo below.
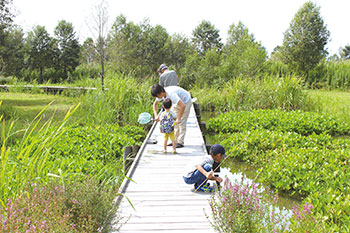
point(202, 126)
point(197, 109)
point(127, 151)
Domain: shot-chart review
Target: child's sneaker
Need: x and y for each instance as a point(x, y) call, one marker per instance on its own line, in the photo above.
point(164, 151)
point(174, 152)
point(204, 188)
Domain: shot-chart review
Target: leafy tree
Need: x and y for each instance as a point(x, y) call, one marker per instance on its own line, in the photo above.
point(176, 49)
point(243, 56)
point(206, 36)
point(88, 52)
point(122, 45)
point(14, 53)
point(304, 42)
point(136, 48)
point(345, 53)
point(68, 47)
point(6, 20)
point(155, 41)
point(41, 50)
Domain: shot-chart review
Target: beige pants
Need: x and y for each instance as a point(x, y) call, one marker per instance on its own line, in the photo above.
point(180, 129)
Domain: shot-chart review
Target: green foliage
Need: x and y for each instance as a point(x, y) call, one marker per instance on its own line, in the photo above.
point(241, 207)
point(295, 153)
point(261, 141)
point(176, 49)
point(104, 143)
point(303, 123)
point(205, 37)
point(134, 49)
point(246, 94)
point(330, 75)
point(68, 49)
point(80, 207)
point(11, 58)
point(121, 103)
point(41, 51)
point(277, 68)
point(305, 40)
point(335, 103)
point(243, 57)
point(85, 71)
point(345, 53)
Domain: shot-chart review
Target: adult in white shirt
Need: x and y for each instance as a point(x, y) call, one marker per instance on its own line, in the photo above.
point(182, 102)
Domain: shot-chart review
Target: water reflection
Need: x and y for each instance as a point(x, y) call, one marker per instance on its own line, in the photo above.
point(236, 170)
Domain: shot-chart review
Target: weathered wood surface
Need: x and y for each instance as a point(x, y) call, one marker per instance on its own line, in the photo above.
point(162, 201)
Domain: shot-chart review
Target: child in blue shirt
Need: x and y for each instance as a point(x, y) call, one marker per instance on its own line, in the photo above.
point(167, 124)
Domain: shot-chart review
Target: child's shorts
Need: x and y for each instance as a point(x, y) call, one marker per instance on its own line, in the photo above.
point(169, 135)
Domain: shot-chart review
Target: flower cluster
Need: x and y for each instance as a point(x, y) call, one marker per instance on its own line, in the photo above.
point(241, 208)
point(82, 207)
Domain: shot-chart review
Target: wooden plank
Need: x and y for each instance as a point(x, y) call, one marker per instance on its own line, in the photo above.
point(161, 200)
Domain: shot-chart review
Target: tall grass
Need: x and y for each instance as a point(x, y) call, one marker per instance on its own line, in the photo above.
point(121, 103)
point(27, 161)
point(331, 75)
point(241, 94)
point(336, 103)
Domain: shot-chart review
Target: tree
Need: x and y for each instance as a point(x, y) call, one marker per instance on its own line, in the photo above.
point(345, 53)
point(122, 45)
point(13, 55)
point(6, 20)
point(305, 40)
point(137, 48)
point(41, 50)
point(243, 56)
point(99, 28)
point(206, 36)
point(88, 52)
point(176, 49)
point(68, 47)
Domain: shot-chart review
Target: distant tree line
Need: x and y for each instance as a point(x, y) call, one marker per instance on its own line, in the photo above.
point(137, 49)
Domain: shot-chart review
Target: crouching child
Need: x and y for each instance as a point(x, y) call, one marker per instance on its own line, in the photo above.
point(203, 170)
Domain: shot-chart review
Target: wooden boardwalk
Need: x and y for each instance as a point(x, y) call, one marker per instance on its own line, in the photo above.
point(162, 201)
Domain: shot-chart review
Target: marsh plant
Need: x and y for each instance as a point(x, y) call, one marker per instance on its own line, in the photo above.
point(82, 207)
point(242, 207)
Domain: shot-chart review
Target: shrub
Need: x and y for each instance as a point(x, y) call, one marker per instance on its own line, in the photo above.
point(80, 207)
point(304, 123)
point(102, 142)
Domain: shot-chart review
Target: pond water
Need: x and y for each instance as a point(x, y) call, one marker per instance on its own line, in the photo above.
point(235, 170)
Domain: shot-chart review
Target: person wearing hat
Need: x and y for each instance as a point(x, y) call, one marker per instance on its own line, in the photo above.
point(203, 170)
point(167, 77)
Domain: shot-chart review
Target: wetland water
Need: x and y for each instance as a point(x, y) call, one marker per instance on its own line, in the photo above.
point(236, 170)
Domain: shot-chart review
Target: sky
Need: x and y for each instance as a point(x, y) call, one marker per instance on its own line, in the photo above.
point(267, 20)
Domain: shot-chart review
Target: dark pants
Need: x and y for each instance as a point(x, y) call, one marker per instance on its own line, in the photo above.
point(197, 177)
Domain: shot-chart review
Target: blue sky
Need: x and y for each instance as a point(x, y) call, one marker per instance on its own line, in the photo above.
point(266, 19)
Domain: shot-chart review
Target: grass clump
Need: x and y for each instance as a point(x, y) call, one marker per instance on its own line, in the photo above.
point(247, 94)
